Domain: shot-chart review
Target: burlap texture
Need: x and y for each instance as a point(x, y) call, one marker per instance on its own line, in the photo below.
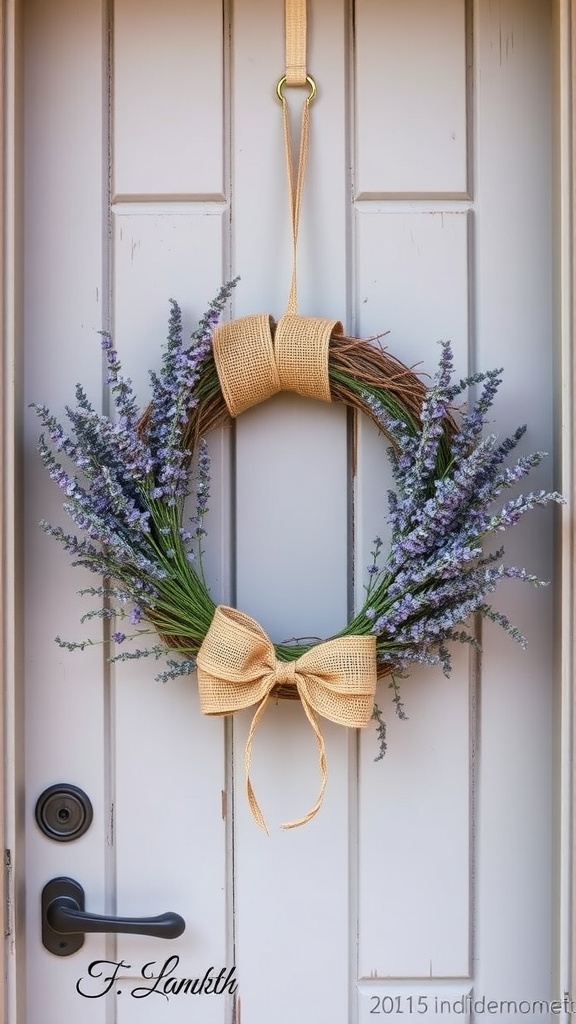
point(301, 346)
point(295, 18)
point(245, 363)
point(237, 668)
point(252, 366)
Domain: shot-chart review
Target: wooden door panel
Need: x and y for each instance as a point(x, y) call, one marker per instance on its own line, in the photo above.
point(514, 328)
point(426, 214)
point(162, 250)
point(172, 837)
point(65, 702)
point(412, 279)
point(414, 834)
point(411, 63)
point(414, 825)
point(173, 147)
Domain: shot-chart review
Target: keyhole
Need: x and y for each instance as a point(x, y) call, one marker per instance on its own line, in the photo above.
point(63, 812)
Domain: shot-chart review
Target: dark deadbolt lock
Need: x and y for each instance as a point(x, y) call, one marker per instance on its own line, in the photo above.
point(63, 812)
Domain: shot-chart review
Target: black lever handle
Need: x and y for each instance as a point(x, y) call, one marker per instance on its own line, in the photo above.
point(64, 920)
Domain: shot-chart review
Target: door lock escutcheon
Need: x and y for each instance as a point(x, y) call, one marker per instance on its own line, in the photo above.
point(64, 920)
point(63, 812)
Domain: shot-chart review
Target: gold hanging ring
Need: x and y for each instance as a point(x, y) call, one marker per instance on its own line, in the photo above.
point(282, 82)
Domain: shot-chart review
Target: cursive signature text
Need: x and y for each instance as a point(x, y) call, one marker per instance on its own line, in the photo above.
point(160, 978)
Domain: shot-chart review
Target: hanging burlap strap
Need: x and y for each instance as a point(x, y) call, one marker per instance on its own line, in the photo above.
point(295, 18)
point(237, 668)
point(252, 367)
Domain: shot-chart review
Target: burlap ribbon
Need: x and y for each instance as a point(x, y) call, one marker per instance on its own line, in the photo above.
point(295, 17)
point(252, 366)
point(237, 668)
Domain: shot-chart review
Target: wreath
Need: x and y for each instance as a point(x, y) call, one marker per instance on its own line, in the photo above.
point(128, 479)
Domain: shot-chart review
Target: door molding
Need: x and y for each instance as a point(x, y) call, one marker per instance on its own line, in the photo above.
point(11, 1008)
point(565, 332)
point(11, 1002)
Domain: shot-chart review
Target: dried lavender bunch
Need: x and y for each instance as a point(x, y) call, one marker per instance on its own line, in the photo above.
point(437, 573)
point(126, 489)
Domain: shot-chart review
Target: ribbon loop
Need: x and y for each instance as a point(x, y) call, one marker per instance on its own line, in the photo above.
point(237, 668)
point(252, 366)
point(301, 347)
point(295, 186)
point(244, 356)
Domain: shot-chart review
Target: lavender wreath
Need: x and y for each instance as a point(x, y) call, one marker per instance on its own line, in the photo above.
point(127, 477)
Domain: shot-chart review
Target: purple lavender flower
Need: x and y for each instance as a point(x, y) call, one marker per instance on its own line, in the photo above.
point(174, 396)
point(124, 491)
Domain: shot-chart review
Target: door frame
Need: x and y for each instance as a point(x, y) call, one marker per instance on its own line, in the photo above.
point(11, 811)
point(564, 143)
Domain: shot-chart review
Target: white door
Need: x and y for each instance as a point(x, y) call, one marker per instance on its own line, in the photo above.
point(154, 169)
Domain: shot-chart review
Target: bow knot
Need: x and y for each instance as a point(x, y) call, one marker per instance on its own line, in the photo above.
point(285, 672)
point(237, 668)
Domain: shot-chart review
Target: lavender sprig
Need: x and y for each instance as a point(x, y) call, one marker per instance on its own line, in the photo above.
point(174, 396)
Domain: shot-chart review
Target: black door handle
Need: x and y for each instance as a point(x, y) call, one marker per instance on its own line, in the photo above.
point(64, 920)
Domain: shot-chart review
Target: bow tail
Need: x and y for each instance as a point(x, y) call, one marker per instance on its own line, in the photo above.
point(252, 800)
point(321, 764)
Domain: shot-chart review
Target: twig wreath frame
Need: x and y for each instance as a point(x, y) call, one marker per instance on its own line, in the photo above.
point(127, 478)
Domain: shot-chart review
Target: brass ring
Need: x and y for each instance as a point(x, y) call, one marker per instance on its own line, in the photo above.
point(282, 82)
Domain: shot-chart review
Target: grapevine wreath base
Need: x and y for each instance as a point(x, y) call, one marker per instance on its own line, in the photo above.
point(126, 479)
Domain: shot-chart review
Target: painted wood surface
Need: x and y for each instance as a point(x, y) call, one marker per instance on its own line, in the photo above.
point(426, 215)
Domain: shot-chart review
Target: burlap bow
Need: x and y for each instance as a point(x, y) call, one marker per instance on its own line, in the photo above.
point(237, 667)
